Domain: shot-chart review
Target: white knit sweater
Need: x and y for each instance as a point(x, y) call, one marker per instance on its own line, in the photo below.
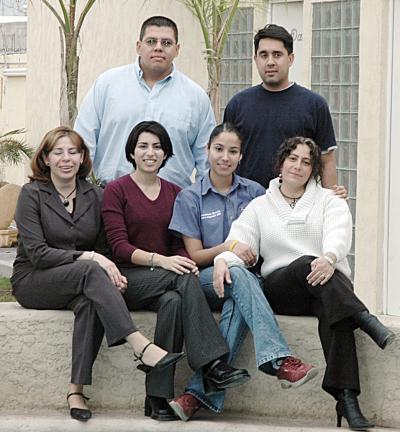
point(320, 223)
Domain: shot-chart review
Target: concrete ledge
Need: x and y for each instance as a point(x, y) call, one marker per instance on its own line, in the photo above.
point(135, 422)
point(35, 369)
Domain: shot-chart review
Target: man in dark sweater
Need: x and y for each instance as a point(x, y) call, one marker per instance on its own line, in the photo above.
point(277, 109)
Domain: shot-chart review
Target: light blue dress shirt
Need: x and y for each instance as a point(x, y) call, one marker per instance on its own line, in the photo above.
point(201, 212)
point(120, 98)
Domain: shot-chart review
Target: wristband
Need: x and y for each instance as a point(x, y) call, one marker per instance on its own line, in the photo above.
point(233, 244)
point(330, 260)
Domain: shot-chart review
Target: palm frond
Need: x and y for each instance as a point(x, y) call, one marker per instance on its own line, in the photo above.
point(13, 149)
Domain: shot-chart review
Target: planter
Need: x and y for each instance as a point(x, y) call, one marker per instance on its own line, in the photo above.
point(9, 194)
point(8, 237)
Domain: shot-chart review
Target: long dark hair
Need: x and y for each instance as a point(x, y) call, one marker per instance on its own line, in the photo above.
point(225, 127)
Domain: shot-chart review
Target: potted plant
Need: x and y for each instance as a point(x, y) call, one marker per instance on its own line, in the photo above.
point(13, 150)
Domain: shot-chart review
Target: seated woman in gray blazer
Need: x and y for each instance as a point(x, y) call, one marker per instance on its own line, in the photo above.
point(60, 261)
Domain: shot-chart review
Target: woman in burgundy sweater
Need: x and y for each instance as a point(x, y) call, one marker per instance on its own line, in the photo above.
point(137, 209)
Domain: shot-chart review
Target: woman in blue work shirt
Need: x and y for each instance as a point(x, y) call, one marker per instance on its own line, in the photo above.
point(203, 214)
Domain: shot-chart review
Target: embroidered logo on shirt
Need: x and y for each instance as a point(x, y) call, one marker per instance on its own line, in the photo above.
point(211, 215)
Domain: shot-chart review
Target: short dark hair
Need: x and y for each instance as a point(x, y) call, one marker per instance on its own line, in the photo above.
point(41, 171)
point(159, 21)
point(154, 128)
point(225, 127)
point(291, 144)
point(273, 31)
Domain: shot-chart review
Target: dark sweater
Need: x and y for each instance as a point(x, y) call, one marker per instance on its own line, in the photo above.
point(265, 119)
point(132, 221)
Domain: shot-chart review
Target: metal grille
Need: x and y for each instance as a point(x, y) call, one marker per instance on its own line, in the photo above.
point(237, 58)
point(13, 37)
point(334, 75)
point(13, 7)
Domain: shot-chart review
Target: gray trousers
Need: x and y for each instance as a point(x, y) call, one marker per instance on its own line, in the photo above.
point(99, 308)
point(182, 315)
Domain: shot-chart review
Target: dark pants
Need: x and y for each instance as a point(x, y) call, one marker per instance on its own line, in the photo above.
point(334, 303)
point(182, 315)
point(99, 308)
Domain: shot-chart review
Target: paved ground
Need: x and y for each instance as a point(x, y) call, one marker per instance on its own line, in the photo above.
point(124, 422)
point(7, 256)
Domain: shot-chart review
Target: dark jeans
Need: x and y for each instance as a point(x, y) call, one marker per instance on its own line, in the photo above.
point(85, 288)
point(334, 303)
point(182, 315)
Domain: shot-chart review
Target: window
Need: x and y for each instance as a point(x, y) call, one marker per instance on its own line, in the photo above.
point(334, 75)
point(237, 58)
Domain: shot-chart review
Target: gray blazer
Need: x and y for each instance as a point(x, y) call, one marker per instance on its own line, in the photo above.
point(49, 236)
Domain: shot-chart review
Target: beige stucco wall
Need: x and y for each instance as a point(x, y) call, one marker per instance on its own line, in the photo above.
point(12, 109)
point(371, 194)
point(372, 139)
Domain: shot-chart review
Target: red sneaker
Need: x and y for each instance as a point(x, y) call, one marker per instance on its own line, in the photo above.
point(293, 372)
point(185, 406)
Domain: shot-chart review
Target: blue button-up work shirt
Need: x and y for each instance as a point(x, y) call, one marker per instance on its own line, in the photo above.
point(201, 212)
point(120, 98)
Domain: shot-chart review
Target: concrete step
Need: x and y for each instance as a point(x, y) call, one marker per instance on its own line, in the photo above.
point(57, 421)
point(35, 367)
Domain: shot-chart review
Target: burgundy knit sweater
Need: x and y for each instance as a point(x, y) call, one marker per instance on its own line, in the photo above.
point(133, 221)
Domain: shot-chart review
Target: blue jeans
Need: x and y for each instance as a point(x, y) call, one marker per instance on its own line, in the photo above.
point(244, 306)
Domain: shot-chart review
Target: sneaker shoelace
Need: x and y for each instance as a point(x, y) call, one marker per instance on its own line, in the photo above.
point(292, 362)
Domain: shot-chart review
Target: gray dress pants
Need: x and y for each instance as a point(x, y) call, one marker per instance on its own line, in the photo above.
point(183, 315)
point(99, 308)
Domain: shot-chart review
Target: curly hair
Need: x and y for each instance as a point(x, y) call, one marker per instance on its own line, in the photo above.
point(291, 144)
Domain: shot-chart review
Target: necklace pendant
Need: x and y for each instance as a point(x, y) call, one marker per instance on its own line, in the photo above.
point(293, 204)
point(66, 203)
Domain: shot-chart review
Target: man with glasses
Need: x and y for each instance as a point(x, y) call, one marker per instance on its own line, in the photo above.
point(150, 89)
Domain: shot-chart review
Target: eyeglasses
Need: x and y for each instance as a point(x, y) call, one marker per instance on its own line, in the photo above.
point(165, 43)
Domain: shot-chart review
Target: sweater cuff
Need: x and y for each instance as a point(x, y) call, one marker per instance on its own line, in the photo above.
point(230, 258)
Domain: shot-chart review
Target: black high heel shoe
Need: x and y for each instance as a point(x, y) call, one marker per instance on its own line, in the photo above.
point(158, 409)
point(347, 407)
point(370, 324)
point(168, 360)
point(79, 413)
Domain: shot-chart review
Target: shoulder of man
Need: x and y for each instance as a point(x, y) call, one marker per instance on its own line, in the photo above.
point(306, 93)
point(187, 82)
point(246, 93)
point(110, 75)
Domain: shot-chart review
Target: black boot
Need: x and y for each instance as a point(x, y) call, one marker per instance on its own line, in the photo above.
point(158, 409)
point(370, 324)
point(347, 407)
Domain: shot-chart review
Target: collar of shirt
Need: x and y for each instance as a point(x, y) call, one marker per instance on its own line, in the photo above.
point(139, 72)
point(206, 184)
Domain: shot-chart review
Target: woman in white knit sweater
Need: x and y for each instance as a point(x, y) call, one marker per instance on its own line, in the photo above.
point(303, 233)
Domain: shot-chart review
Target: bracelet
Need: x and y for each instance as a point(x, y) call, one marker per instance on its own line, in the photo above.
point(330, 260)
point(233, 244)
point(151, 261)
point(91, 256)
